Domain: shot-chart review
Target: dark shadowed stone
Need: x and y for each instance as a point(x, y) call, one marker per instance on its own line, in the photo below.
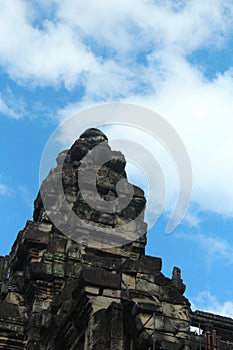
point(146, 266)
point(89, 139)
point(93, 135)
point(102, 278)
point(57, 244)
point(177, 281)
point(117, 163)
point(8, 310)
point(41, 271)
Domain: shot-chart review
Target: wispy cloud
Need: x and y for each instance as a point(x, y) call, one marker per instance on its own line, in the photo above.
point(5, 109)
point(13, 190)
point(4, 190)
point(11, 105)
point(215, 248)
point(205, 301)
point(26, 195)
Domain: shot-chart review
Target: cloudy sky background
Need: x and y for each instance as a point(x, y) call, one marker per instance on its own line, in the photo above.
point(174, 57)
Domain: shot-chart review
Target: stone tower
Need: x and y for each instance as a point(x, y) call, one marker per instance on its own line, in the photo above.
point(69, 291)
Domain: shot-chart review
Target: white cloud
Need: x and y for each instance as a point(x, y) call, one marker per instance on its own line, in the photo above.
point(89, 42)
point(205, 301)
point(135, 52)
point(16, 190)
point(46, 55)
point(3, 190)
point(214, 247)
point(201, 112)
point(11, 106)
point(118, 23)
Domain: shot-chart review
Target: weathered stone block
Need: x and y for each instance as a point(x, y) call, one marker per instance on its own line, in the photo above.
point(146, 286)
point(92, 290)
point(112, 293)
point(102, 302)
point(128, 281)
point(102, 278)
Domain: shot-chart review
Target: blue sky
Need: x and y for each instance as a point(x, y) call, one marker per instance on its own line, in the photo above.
point(174, 57)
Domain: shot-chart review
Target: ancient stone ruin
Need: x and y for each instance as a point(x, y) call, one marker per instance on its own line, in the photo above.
point(95, 289)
